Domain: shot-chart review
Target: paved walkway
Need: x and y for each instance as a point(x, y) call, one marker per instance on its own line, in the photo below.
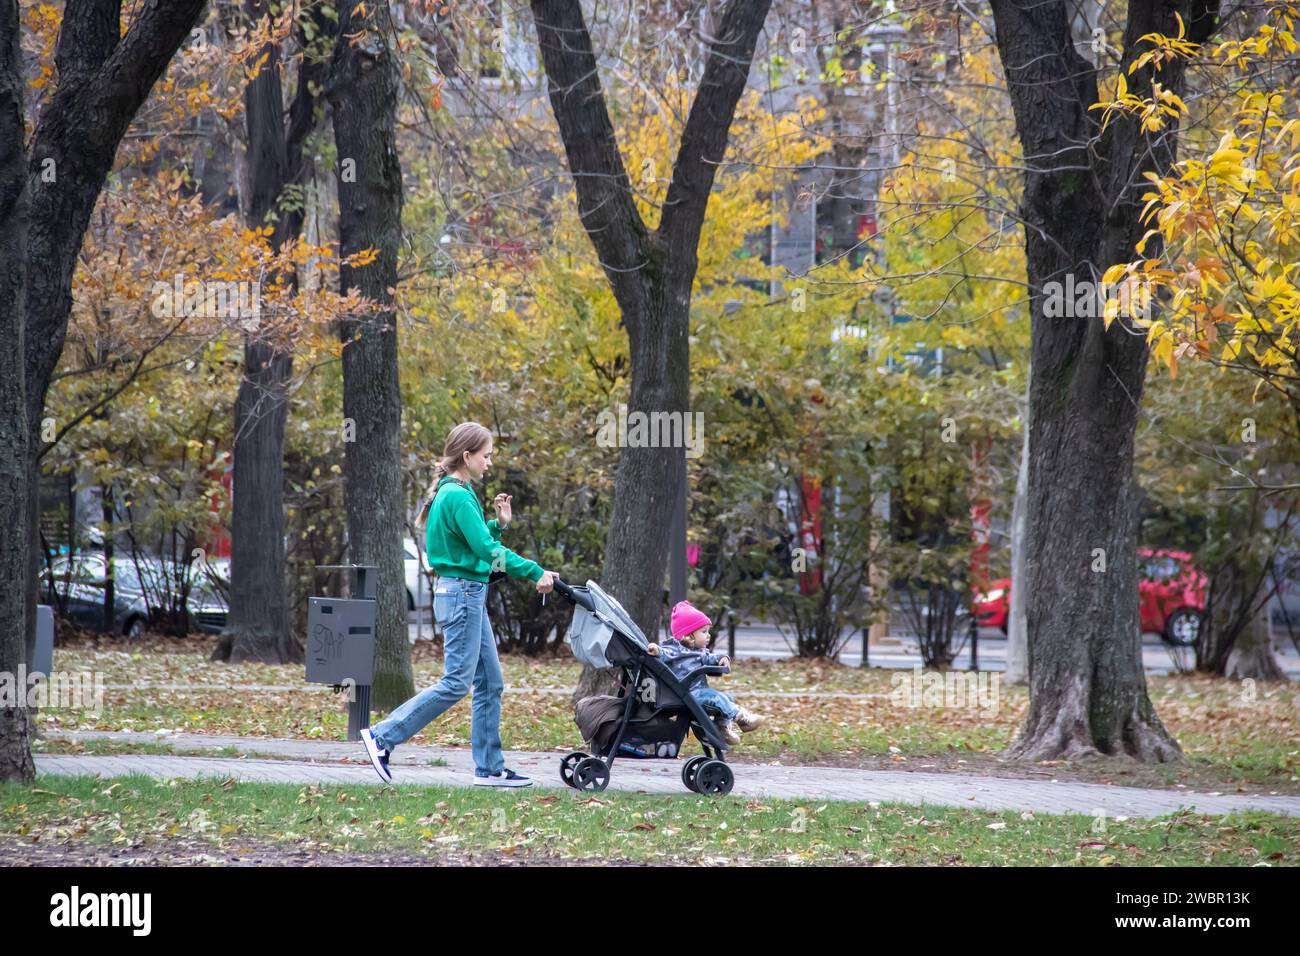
point(552, 691)
point(323, 762)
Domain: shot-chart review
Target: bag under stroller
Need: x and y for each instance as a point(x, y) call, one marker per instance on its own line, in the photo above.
point(653, 711)
point(598, 718)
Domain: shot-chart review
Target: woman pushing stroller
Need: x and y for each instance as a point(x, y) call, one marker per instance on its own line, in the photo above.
point(464, 550)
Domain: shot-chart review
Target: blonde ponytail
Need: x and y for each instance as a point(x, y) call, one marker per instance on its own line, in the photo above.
point(422, 519)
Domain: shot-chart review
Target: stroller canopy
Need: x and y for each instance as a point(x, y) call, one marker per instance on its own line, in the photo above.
point(591, 635)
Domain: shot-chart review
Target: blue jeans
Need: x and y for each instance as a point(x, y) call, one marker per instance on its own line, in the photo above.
point(715, 702)
point(470, 659)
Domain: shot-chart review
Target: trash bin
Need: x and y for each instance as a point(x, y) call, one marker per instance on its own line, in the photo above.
point(341, 642)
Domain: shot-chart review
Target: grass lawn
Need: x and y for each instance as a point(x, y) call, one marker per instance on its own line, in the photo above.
point(1235, 737)
point(64, 816)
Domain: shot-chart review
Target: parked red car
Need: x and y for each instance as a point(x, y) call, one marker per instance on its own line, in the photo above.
point(1171, 594)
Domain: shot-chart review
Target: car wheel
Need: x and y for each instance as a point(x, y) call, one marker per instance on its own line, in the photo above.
point(410, 602)
point(1182, 627)
point(134, 628)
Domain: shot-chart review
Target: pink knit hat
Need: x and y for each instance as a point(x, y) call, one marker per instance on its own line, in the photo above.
point(688, 619)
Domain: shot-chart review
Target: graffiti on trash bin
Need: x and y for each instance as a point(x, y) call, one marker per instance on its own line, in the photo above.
point(326, 644)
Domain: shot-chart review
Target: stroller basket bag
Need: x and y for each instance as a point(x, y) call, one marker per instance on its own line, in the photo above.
point(650, 734)
point(589, 638)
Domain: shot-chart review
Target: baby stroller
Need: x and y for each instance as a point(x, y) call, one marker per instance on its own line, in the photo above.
point(657, 710)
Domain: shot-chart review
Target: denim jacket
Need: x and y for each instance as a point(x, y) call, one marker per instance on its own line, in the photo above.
point(681, 660)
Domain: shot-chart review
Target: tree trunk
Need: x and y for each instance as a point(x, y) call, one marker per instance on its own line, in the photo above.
point(651, 274)
point(1017, 641)
point(645, 485)
point(363, 91)
point(258, 628)
point(104, 78)
point(1227, 613)
point(1238, 581)
point(1252, 658)
point(15, 742)
point(1082, 210)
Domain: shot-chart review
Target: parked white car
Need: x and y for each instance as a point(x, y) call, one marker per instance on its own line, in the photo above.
point(418, 593)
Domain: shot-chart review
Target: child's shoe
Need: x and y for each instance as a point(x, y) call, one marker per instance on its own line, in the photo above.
point(748, 720)
point(728, 731)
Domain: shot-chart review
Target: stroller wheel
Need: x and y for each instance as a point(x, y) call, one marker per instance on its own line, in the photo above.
point(567, 765)
point(591, 773)
point(689, 771)
point(714, 778)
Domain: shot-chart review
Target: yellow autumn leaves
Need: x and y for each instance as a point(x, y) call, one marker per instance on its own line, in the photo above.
point(1227, 214)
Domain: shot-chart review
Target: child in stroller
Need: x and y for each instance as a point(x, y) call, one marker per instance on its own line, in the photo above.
point(654, 709)
point(685, 653)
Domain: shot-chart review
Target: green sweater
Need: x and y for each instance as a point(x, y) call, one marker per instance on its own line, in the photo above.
point(460, 544)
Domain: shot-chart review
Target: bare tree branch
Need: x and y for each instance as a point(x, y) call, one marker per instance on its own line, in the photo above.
point(605, 202)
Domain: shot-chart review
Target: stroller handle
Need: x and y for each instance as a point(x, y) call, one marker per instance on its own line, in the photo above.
point(575, 595)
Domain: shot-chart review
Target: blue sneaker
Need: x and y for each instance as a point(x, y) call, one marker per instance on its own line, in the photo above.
point(506, 778)
point(378, 755)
